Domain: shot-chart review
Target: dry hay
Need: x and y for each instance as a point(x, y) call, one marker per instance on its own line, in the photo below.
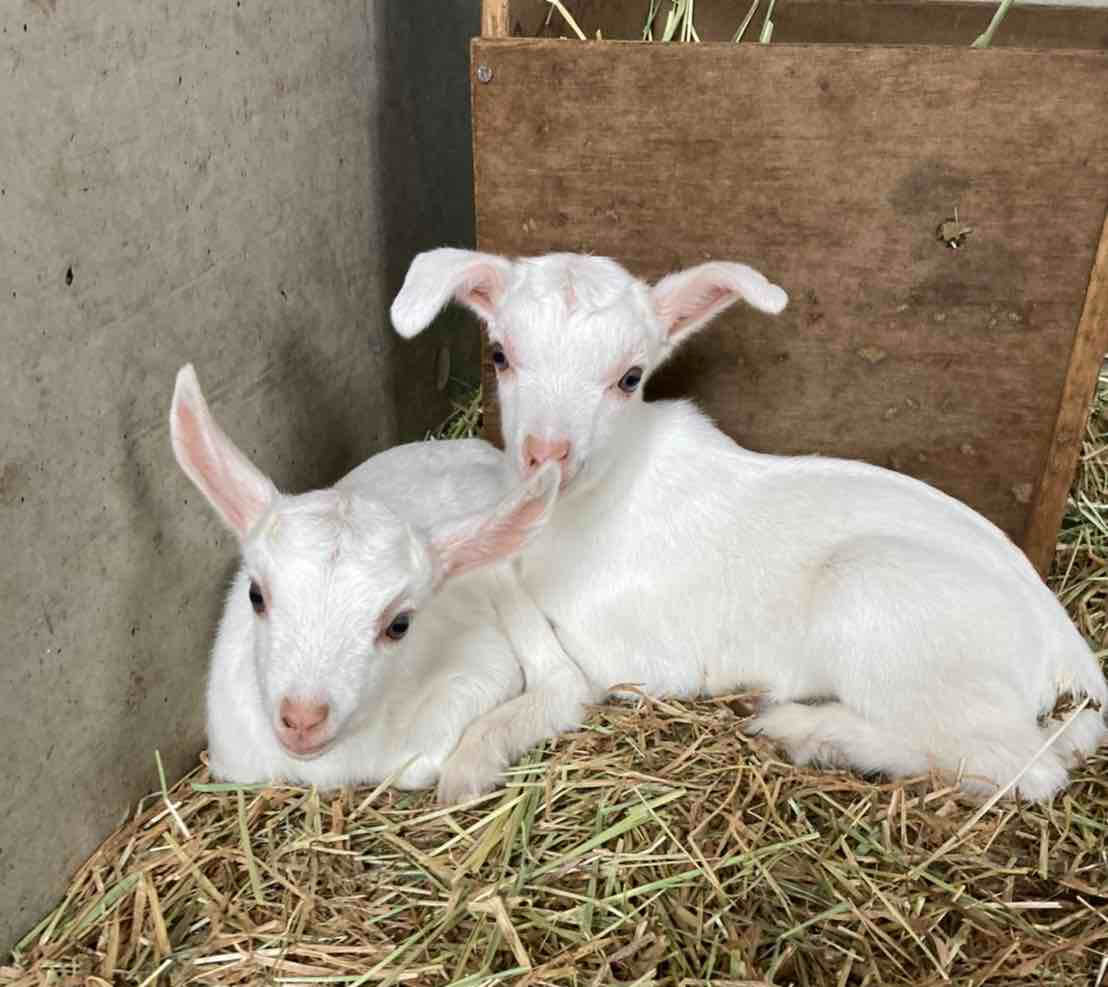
point(655, 846)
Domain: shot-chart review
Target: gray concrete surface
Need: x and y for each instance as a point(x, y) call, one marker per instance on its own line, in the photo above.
point(235, 184)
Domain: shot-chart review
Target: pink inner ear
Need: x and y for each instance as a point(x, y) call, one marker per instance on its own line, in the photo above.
point(212, 474)
point(494, 540)
point(692, 305)
point(481, 288)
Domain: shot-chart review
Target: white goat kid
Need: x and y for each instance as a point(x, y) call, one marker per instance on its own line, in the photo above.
point(892, 628)
point(332, 665)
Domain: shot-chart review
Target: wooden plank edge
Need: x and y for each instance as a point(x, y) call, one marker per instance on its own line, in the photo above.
point(495, 22)
point(490, 409)
point(510, 43)
point(1090, 343)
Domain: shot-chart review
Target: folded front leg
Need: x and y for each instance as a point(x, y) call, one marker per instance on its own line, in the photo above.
point(555, 697)
point(494, 741)
point(538, 651)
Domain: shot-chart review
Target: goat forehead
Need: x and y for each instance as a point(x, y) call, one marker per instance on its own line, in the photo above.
point(575, 280)
point(584, 343)
point(322, 608)
point(573, 314)
point(316, 588)
point(327, 532)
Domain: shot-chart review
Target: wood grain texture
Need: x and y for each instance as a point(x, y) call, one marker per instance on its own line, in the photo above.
point(887, 22)
point(495, 19)
point(495, 23)
point(1089, 347)
point(829, 168)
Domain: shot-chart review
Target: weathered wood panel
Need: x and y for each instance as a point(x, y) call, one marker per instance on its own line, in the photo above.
point(829, 168)
point(1089, 347)
point(887, 22)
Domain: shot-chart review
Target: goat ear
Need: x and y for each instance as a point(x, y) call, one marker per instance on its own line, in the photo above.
point(689, 300)
point(482, 539)
point(239, 492)
point(472, 279)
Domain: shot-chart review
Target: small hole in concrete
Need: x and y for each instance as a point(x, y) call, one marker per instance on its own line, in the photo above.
point(68, 276)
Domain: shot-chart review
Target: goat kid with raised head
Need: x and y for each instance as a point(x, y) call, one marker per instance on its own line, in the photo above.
point(891, 628)
point(341, 656)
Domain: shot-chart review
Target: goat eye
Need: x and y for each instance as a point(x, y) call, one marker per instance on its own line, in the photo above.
point(499, 357)
point(630, 380)
point(257, 601)
point(399, 626)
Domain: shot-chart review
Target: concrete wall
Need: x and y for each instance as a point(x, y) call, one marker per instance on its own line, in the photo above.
point(231, 183)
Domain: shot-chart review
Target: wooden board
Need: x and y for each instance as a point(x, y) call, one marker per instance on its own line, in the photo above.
point(887, 22)
point(829, 168)
point(1089, 346)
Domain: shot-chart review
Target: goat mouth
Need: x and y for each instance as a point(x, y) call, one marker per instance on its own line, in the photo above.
point(569, 474)
point(308, 753)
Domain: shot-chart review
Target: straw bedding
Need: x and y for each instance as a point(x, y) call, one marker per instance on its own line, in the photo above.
point(655, 846)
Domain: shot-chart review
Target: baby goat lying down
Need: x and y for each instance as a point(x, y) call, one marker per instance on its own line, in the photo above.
point(892, 628)
point(332, 665)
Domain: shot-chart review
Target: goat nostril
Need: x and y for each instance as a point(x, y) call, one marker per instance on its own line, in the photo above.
point(303, 718)
point(539, 451)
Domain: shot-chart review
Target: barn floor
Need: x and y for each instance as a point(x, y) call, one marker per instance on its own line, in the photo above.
point(654, 846)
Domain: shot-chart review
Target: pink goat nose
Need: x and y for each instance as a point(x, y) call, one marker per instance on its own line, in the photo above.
point(539, 451)
point(302, 717)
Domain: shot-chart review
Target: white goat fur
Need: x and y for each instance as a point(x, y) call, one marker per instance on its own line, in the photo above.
point(335, 566)
point(892, 628)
